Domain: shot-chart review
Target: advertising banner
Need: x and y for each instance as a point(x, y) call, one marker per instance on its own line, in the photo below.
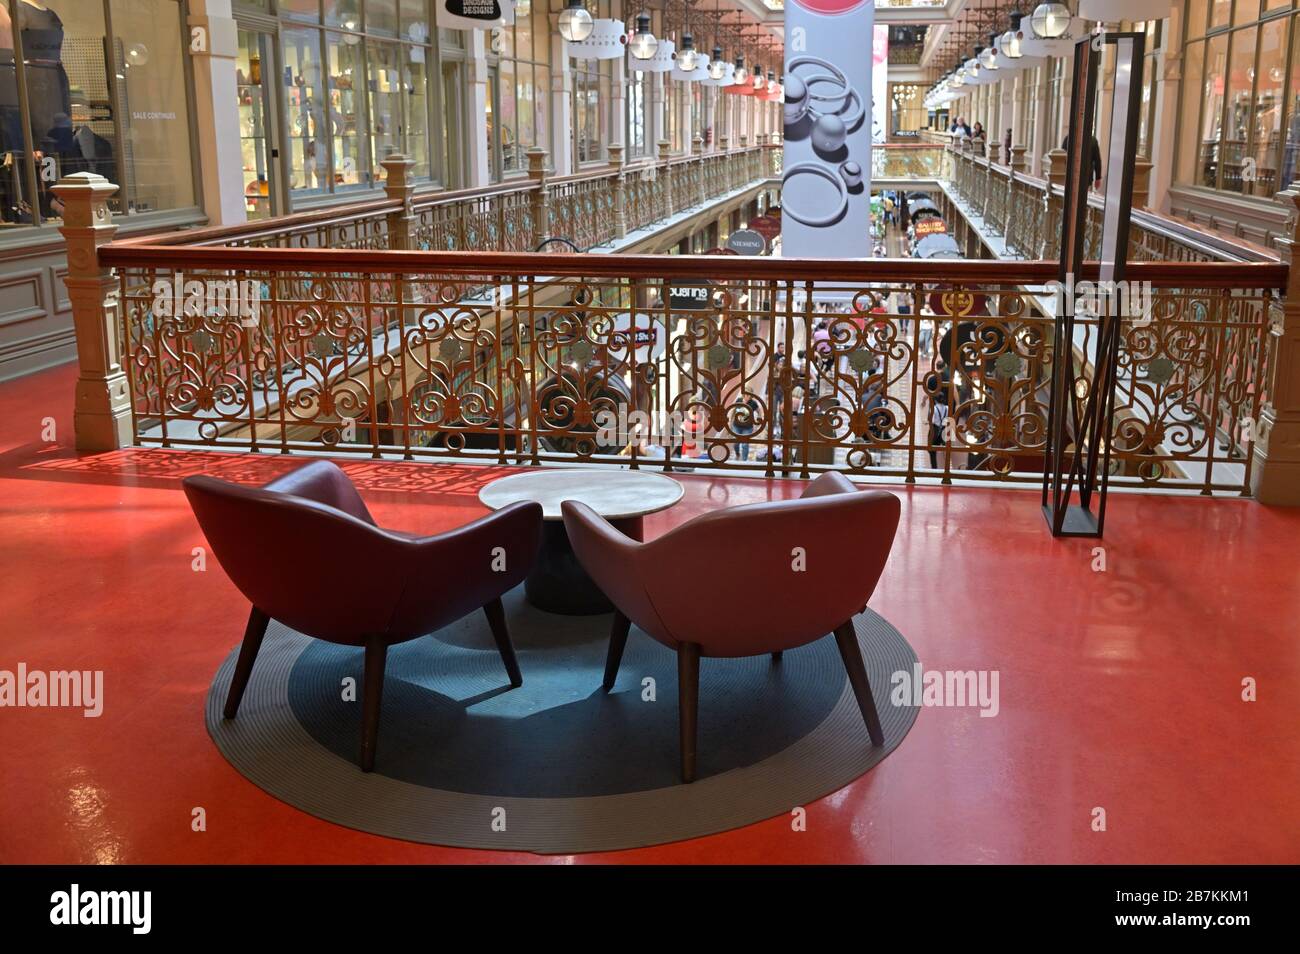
point(475, 14)
point(828, 128)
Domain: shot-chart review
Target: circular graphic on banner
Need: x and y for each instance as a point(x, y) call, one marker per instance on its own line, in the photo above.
point(832, 8)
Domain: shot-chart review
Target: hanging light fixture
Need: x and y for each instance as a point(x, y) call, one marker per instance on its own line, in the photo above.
point(643, 43)
point(989, 58)
point(758, 77)
point(1009, 45)
point(688, 58)
point(973, 65)
point(717, 66)
point(741, 74)
point(1050, 20)
point(575, 22)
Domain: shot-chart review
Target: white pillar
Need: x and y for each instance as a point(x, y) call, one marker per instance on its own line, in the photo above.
point(479, 173)
point(1169, 81)
point(216, 110)
point(560, 96)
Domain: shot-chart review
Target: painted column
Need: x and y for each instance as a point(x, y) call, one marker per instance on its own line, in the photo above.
point(216, 110)
point(479, 172)
point(560, 96)
point(1168, 96)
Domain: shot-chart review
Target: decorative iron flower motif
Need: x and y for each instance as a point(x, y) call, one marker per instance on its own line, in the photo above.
point(1008, 364)
point(202, 342)
point(1160, 370)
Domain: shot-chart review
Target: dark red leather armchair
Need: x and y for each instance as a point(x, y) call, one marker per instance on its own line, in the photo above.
point(761, 578)
point(305, 550)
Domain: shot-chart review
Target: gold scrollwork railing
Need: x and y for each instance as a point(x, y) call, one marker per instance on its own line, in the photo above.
point(778, 367)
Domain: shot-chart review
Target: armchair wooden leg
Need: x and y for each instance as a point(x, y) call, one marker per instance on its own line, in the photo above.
point(372, 695)
point(847, 640)
point(776, 656)
point(253, 633)
point(617, 640)
point(496, 617)
point(688, 704)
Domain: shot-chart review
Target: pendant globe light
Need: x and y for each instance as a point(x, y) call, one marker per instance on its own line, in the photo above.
point(741, 73)
point(575, 22)
point(717, 66)
point(688, 58)
point(643, 43)
point(1050, 20)
point(989, 58)
point(1009, 45)
point(758, 77)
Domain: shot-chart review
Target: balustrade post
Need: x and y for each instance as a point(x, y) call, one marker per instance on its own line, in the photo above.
point(1017, 158)
point(994, 147)
point(399, 185)
point(669, 206)
point(1275, 476)
point(722, 142)
point(102, 412)
point(697, 145)
point(988, 190)
point(1056, 167)
point(1141, 183)
point(615, 151)
point(541, 195)
point(1053, 209)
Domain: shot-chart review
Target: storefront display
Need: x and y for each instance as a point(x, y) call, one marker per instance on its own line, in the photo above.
point(125, 118)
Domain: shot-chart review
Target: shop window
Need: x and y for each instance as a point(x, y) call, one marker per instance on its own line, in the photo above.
point(356, 93)
point(116, 105)
point(592, 101)
point(523, 54)
point(638, 112)
point(1239, 116)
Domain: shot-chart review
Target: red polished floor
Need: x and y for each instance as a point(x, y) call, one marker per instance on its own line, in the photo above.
point(1120, 689)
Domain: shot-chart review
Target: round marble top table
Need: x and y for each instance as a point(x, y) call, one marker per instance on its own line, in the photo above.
point(558, 583)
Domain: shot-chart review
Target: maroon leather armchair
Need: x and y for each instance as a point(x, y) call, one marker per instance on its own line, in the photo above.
point(761, 578)
point(305, 550)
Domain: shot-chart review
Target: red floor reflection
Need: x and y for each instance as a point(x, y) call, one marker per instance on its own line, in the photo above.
point(1119, 689)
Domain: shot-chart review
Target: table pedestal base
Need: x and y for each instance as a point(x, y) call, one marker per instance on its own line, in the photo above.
point(558, 583)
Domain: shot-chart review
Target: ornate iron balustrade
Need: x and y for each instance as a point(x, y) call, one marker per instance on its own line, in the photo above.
point(611, 359)
point(906, 161)
point(995, 189)
point(590, 209)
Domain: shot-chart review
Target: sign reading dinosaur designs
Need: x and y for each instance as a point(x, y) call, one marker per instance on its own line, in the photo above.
point(475, 14)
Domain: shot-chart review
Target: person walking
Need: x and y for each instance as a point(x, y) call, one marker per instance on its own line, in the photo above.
point(1094, 159)
point(938, 418)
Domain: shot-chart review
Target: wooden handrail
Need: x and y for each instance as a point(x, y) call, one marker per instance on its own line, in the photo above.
point(139, 254)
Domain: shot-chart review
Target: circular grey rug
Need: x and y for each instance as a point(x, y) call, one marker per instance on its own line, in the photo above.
point(556, 765)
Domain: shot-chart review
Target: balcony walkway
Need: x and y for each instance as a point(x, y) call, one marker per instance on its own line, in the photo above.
point(1118, 689)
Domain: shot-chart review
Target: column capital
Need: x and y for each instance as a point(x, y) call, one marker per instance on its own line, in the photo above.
point(536, 163)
